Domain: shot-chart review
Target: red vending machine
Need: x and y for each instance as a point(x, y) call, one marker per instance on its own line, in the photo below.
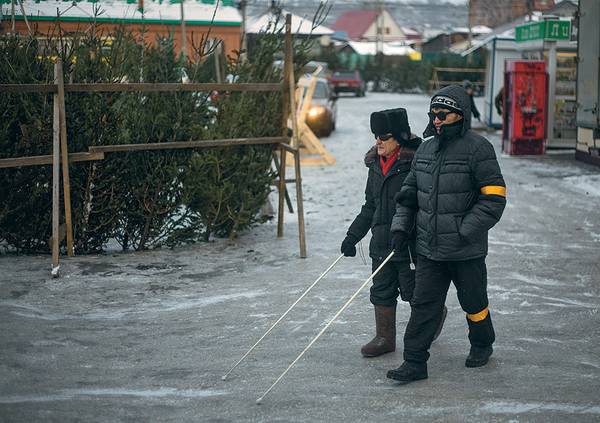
point(525, 107)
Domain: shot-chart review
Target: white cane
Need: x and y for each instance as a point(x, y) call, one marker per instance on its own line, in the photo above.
point(259, 400)
point(283, 315)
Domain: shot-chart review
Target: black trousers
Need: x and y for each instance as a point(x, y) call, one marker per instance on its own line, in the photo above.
point(396, 278)
point(431, 287)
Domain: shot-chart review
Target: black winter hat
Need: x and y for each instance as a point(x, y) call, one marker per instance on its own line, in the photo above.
point(394, 121)
point(445, 102)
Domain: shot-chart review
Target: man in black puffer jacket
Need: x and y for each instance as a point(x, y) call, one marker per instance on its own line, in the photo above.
point(457, 193)
point(388, 162)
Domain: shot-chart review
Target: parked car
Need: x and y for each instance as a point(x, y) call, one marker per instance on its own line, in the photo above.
point(348, 81)
point(322, 114)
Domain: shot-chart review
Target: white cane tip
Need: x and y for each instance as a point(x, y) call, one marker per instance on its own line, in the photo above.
point(224, 377)
point(259, 401)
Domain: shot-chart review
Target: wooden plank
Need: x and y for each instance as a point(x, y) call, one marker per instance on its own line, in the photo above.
point(288, 148)
point(285, 107)
point(64, 157)
point(464, 70)
point(142, 87)
point(28, 88)
point(171, 87)
point(186, 144)
point(97, 152)
point(46, 160)
point(295, 143)
point(300, 206)
point(55, 187)
point(438, 82)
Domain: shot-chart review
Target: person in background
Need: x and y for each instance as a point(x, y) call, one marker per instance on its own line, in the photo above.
point(468, 86)
point(499, 101)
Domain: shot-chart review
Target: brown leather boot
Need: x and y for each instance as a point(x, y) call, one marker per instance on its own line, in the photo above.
point(385, 333)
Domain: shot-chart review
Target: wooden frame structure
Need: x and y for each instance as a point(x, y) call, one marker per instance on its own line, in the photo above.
point(310, 145)
point(435, 83)
point(60, 154)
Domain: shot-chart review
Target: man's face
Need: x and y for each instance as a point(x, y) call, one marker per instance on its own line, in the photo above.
point(387, 147)
point(469, 90)
point(450, 118)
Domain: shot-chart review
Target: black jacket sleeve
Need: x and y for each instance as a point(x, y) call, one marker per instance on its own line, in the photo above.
point(362, 223)
point(492, 194)
point(406, 204)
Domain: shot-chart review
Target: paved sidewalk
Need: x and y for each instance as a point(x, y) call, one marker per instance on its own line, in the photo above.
point(147, 336)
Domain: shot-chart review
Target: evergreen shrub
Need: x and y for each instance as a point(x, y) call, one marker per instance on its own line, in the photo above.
point(141, 199)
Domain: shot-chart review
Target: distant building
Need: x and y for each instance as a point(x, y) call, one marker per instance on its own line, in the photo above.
point(500, 45)
point(361, 25)
point(301, 27)
point(450, 41)
point(155, 17)
point(493, 13)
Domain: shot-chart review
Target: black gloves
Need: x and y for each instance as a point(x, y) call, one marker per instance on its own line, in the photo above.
point(398, 241)
point(348, 248)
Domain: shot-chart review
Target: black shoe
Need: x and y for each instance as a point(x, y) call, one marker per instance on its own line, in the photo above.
point(408, 372)
point(441, 325)
point(479, 356)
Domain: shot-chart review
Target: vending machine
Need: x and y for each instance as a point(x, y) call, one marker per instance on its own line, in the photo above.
point(525, 107)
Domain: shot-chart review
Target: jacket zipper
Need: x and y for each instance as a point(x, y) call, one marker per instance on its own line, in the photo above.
point(436, 187)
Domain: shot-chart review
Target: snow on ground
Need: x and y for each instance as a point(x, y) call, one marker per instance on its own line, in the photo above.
point(588, 184)
point(147, 336)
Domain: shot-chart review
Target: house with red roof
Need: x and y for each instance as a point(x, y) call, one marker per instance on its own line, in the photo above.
point(361, 25)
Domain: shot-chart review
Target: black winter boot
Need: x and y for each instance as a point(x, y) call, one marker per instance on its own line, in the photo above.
point(479, 356)
point(409, 371)
point(441, 325)
point(385, 333)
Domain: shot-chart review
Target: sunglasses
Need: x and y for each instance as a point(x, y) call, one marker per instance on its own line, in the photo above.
point(384, 137)
point(440, 115)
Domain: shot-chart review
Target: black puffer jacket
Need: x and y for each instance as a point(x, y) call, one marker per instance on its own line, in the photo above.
point(456, 189)
point(379, 207)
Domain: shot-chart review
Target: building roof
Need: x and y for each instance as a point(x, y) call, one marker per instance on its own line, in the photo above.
point(411, 34)
point(196, 12)
point(355, 22)
point(369, 48)
point(300, 25)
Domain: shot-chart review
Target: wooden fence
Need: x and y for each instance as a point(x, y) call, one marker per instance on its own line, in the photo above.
point(61, 158)
point(440, 77)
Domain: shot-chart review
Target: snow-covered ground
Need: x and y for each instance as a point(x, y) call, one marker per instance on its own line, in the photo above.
point(147, 336)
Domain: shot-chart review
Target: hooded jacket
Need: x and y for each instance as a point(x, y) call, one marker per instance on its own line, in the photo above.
point(379, 207)
point(455, 189)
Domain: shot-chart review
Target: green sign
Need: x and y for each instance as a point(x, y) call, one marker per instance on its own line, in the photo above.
point(544, 30)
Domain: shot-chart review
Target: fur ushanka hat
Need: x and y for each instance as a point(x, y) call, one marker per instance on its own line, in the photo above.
point(391, 121)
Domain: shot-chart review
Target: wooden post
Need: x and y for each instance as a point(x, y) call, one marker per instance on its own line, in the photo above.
point(300, 205)
point(55, 183)
point(285, 109)
point(64, 150)
point(217, 55)
point(292, 90)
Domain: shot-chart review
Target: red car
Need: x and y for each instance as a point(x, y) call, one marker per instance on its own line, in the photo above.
point(348, 81)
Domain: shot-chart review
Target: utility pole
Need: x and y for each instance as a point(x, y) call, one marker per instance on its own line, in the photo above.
point(12, 15)
point(379, 43)
point(183, 40)
point(379, 39)
point(242, 6)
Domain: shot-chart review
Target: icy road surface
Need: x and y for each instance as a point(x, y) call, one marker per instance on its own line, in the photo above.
point(147, 336)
